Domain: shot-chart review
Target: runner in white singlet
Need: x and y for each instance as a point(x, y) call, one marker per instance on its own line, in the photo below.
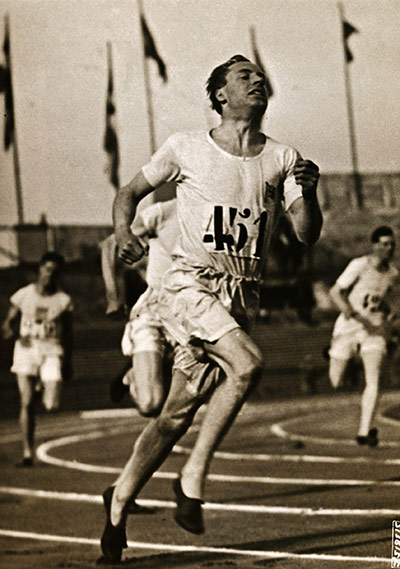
point(42, 356)
point(144, 340)
point(363, 326)
point(232, 184)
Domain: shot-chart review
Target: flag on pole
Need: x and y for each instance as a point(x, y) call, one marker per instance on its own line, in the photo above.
point(110, 135)
point(6, 88)
point(150, 49)
point(348, 30)
point(258, 62)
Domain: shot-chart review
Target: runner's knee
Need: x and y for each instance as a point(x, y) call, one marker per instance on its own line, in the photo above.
point(26, 398)
point(169, 423)
point(51, 403)
point(150, 407)
point(51, 395)
point(249, 370)
point(336, 372)
point(26, 401)
point(149, 402)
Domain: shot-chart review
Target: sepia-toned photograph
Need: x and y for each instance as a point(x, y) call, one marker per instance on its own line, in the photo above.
point(199, 284)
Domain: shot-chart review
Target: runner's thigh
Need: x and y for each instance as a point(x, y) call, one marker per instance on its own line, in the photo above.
point(236, 353)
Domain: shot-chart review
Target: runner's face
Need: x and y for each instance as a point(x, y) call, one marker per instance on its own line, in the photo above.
point(48, 273)
point(385, 247)
point(245, 87)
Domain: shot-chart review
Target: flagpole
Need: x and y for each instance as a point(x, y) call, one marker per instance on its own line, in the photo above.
point(351, 124)
point(18, 184)
point(110, 143)
point(17, 169)
point(149, 98)
point(258, 62)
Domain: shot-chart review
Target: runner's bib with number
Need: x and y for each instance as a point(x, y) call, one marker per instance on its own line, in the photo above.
point(40, 314)
point(227, 205)
point(367, 288)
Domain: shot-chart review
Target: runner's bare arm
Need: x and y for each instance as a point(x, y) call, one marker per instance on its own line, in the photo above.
point(305, 212)
point(8, 327)
point(124, 211)
point(340, 299)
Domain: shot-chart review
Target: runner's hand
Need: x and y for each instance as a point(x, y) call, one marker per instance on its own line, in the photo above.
point(7, 331)
point(130, 248)
point(25, 341)
point(306, 174)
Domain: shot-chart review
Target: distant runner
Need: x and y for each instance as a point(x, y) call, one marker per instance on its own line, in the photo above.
point(364, 325)
point(43, 349)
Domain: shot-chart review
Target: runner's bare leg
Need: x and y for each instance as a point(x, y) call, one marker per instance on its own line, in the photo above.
point(223, 406)
point(373, 362)
point(241, 360)
point(27, 414)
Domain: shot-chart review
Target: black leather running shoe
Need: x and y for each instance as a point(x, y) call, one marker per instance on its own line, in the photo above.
point(113, 540)
point(188, 513)
point(26, 462)
point(373, 438)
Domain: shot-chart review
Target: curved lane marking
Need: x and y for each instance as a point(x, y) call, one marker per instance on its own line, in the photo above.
point(214, 506)
point(191, 548)
point(43, 453)
point(279, 431)
point(211, 506)
point(295, 457)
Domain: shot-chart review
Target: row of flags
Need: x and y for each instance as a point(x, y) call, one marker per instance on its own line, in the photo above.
point(110, 143)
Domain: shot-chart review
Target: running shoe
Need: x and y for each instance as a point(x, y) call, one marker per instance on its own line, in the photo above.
point(188, 513)
point(26, 462)
point(113, 540)
point(371, 439)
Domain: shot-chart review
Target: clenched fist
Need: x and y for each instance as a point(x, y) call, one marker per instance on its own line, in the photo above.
point(130, 248)
point(306, 174)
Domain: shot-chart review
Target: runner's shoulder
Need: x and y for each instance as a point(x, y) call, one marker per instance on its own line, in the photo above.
point(285, 154)
point(186, 138)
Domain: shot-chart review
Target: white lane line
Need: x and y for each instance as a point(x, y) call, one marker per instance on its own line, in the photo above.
point(46, 431)
point(291, 481)
point(44, 449)
point(244, 508)
point(191, 548)
point(109, 413)
point(279, 431)
point(42, 453)
point(261, 457)
point(389, 420)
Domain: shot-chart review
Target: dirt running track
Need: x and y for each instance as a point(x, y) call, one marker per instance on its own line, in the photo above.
point(288, 488)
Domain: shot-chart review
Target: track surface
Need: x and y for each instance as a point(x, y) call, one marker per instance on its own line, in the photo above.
point(288, 488)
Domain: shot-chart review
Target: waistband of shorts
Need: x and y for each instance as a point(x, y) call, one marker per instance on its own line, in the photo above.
point(211, 272)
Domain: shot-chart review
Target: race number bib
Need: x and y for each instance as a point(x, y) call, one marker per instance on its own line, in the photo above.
point(42, 328)
point(234, 231)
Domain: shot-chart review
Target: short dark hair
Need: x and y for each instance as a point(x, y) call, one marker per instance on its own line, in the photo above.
point(54, 257)
point(217, 80)
point(381, 231)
